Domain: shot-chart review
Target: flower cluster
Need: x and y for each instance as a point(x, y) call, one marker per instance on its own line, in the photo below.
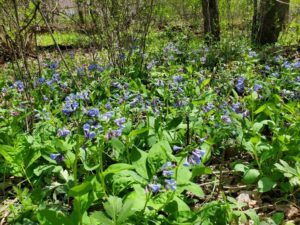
point(169, 183)
point(19, 85)
point(240, 85)
point(177, 78)
point(95, 67)
point(194, 158)
point(71, 102)
point(90, 131)
point(208, 107)
point(93, 112)
point(63, 132)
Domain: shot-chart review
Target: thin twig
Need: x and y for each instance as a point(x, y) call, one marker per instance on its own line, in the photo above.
point(57, 46)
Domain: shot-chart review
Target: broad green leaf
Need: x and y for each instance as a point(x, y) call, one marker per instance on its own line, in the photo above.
point(117, 144)
point(126, 211)
point(158, 155)
point(251, 176)
point(137, 132)
point(258, 125)
point(200, 170)
point(139, 161)
point(195, 189)
point(254, 95)
point(183, 175)
point(278, 218)
point(124, 180)
point(138, 196)
point(177, 205)
point(31, 156)
point(99, 218)
point(47, 169)
point(253, 216)
point(82, 188)
point(240, 167)
point(4, 151)
point(51, 217)
point(174, 123)
point(265, 184)
point(113, 207)
point(115, 168)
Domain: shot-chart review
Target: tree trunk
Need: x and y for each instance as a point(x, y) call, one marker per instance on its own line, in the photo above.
point(254, 21)
point(80, 9)
point(211, 19)
point(272, 15)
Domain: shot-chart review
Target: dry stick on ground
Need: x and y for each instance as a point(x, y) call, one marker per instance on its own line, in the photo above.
point(57, 46)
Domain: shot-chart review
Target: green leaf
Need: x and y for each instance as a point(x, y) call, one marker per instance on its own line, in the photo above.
point(51, 217)
point(126, 211)
point(174, 123)
point(99, 218)
point(181, 205)
point(158, 155)
point(183, 175)
point(258, 125)
point(200, 170)
point(82, 188)
point(251, 176)
point(261, 109)
point(253, 216)
point(124, 180)
point(205, 82)
point(31, 156)
point(254, 95)
point(139, 161)
point(278, 218)
point(115, 168)
point(117, 144)
point(240, 167)
point(4, 151)
point(80, 204)
point(138, 132)
point(116, 210)
point(265, 184)
point(195, 189)
point(138, 196)
point(47, 169)
point(62, 145)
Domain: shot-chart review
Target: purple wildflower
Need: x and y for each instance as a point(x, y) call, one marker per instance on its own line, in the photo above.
point(57, 157)
point(63, 132)
point(154, 187)
point(226, 118)
point(93, 112)
point(240, 86)
point(176, 148)
point(177, 78)
point(208, 107)
point(236, 107)
point(107, 106)
point(87, 131)
point(170, 184)
point(19, 85)
point(56, 77)
point(159, 83)
point(167, 173)
point(108, 115)
point(53, 65)
point(257, 87)
point(119, 122)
